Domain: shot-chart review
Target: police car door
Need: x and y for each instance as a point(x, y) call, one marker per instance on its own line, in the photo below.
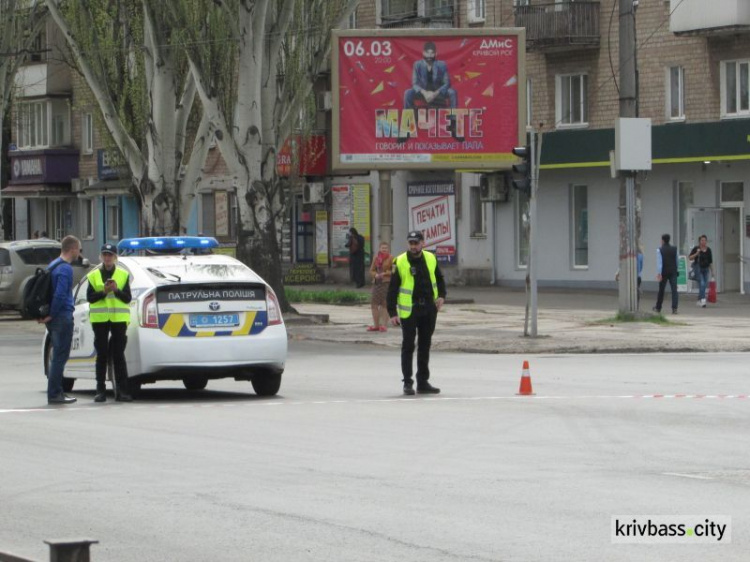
point(82, 354)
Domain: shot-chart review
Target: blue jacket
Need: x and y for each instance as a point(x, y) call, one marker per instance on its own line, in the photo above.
point(62, 289)
point(439, 76)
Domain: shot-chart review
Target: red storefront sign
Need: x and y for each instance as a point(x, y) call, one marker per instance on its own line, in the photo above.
point(310, 155)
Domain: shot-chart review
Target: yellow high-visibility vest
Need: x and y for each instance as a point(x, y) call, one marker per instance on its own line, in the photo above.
point(406, 290)
point(110, 308)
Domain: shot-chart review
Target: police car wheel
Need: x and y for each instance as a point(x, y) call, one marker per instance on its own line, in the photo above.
point(266, 384)
point(195, 383)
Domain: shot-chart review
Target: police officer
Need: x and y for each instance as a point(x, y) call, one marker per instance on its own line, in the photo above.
point(109, 312)
point(415, 295)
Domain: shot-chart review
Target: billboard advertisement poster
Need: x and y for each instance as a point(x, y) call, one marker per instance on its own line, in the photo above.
point(350, 208)
point(428, 98)
point(321, 237)
point(432, 211)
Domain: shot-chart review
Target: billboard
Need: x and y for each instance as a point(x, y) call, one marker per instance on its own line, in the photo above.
point(411, 99)
point(432, 211)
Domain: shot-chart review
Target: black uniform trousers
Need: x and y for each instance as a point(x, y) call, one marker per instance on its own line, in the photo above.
point(421, 323)
point(110, 340)
point(672, 280)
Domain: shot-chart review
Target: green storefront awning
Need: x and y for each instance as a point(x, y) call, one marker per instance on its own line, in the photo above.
point(671, 143)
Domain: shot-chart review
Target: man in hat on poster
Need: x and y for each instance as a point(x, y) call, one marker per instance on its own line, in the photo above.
point(415, 295)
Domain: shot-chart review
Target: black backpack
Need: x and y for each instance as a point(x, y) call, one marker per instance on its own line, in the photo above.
point(37, 294)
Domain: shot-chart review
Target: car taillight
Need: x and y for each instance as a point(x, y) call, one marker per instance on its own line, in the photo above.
point(274, 310)
point(149, 318)
point(6, 270)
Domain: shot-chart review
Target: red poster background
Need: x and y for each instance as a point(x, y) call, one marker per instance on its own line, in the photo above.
point(483, 71)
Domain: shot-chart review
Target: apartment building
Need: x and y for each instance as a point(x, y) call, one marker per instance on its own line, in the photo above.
point(693, 83)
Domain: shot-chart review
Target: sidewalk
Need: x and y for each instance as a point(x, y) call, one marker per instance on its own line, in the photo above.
point(491, 320)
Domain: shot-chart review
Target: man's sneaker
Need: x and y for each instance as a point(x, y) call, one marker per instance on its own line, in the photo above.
point(703, 303)
point(427, 388)
point(699, 302)
point(409, 388)
point(61, 399)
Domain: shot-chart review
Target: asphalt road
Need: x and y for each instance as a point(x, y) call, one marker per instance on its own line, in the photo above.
point(341, 467)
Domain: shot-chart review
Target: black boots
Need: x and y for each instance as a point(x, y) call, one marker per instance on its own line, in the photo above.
point(101, 393)
point(427, 388)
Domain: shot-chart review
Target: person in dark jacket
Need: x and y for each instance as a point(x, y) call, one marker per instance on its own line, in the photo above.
point(666, 272)
point(703, 258)
point(59, 323)
point(416, 294)
point(356, 244)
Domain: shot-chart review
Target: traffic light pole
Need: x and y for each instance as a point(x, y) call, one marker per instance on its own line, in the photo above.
point(532, 237)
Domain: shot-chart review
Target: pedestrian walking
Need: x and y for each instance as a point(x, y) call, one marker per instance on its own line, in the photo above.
point(380, 270)
point(109, 299)
point(416, 294)
point(356, 244)
point(59, 322)
point(703, 261)
point(666, 272)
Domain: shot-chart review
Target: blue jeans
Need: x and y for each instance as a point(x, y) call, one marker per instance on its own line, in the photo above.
point(703, 273)
point(60, 331)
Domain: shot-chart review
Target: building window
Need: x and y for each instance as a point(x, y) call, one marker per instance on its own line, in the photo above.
point(478, 213)
point(87, 133)
point(580, 223)
point(735, 90)
point(87, 219)
point(732, 192)
point(219, 214)
point(398, 8)
point(476, 11)
point(523, 224)
point(42, 124)
point(684, 201)
point(675, 93)
point(38, 47)
point(571, 100)
point(113, 219)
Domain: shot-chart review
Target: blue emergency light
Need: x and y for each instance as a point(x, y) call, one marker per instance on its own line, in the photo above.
point(131, 245)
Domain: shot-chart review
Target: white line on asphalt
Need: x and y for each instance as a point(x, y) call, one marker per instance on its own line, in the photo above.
point(693, 476)
point(409, 399)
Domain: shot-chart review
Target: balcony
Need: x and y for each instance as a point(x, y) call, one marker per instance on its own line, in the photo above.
point(560, 26)
point(690, 17)
point(432, 17)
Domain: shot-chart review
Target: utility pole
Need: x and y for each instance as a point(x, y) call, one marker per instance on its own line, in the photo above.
point(628, 284)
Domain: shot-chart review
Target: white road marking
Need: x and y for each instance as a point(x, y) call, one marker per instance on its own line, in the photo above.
point(693, 476)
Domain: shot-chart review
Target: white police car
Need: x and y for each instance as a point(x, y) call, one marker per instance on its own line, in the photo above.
point(195, 316)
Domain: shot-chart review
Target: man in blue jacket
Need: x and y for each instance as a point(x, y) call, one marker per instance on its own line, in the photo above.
point(60, 320)
point(431, 81)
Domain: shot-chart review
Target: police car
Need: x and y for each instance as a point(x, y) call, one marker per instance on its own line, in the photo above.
point(195, 316)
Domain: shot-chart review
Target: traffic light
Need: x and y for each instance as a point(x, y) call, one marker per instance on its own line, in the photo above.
point(522, 182)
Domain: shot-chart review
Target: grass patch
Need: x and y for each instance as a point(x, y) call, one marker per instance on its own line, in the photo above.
point(625, 317)
point(326, 297)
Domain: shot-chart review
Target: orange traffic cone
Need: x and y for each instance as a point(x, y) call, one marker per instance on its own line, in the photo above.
point(525, 389)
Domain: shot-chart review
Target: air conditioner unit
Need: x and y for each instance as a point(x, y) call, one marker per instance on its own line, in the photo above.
point(494, 188)
point(77, 185)
point(324, 101)
point(314, 193)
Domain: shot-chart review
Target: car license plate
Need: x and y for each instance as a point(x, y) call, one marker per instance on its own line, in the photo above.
point(214, 320)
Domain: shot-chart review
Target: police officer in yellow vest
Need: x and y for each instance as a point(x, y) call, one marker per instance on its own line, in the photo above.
point(415, 296)
point(109, 312)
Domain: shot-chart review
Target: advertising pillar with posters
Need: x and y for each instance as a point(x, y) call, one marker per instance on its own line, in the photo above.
point(350, 208)
point(428, 99)
point(432, 211)
point(321, 237)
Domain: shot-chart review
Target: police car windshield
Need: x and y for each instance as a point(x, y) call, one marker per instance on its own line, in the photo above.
point(202, 271)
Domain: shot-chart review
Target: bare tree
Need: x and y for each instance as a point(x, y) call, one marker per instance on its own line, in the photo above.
point(21, 21)
point(279, 48)
point(132, 62)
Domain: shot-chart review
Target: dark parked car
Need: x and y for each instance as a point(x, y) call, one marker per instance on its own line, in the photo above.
point(19, 261)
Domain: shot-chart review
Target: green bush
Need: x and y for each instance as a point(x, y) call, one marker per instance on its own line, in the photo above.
point(328, 297)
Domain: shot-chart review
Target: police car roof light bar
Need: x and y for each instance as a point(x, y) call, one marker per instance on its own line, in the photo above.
point(166, 243)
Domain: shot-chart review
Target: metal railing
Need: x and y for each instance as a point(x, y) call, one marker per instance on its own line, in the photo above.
point(434, 16)
point(560, 24)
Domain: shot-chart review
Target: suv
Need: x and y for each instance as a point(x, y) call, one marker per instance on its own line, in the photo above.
point(19, 261)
